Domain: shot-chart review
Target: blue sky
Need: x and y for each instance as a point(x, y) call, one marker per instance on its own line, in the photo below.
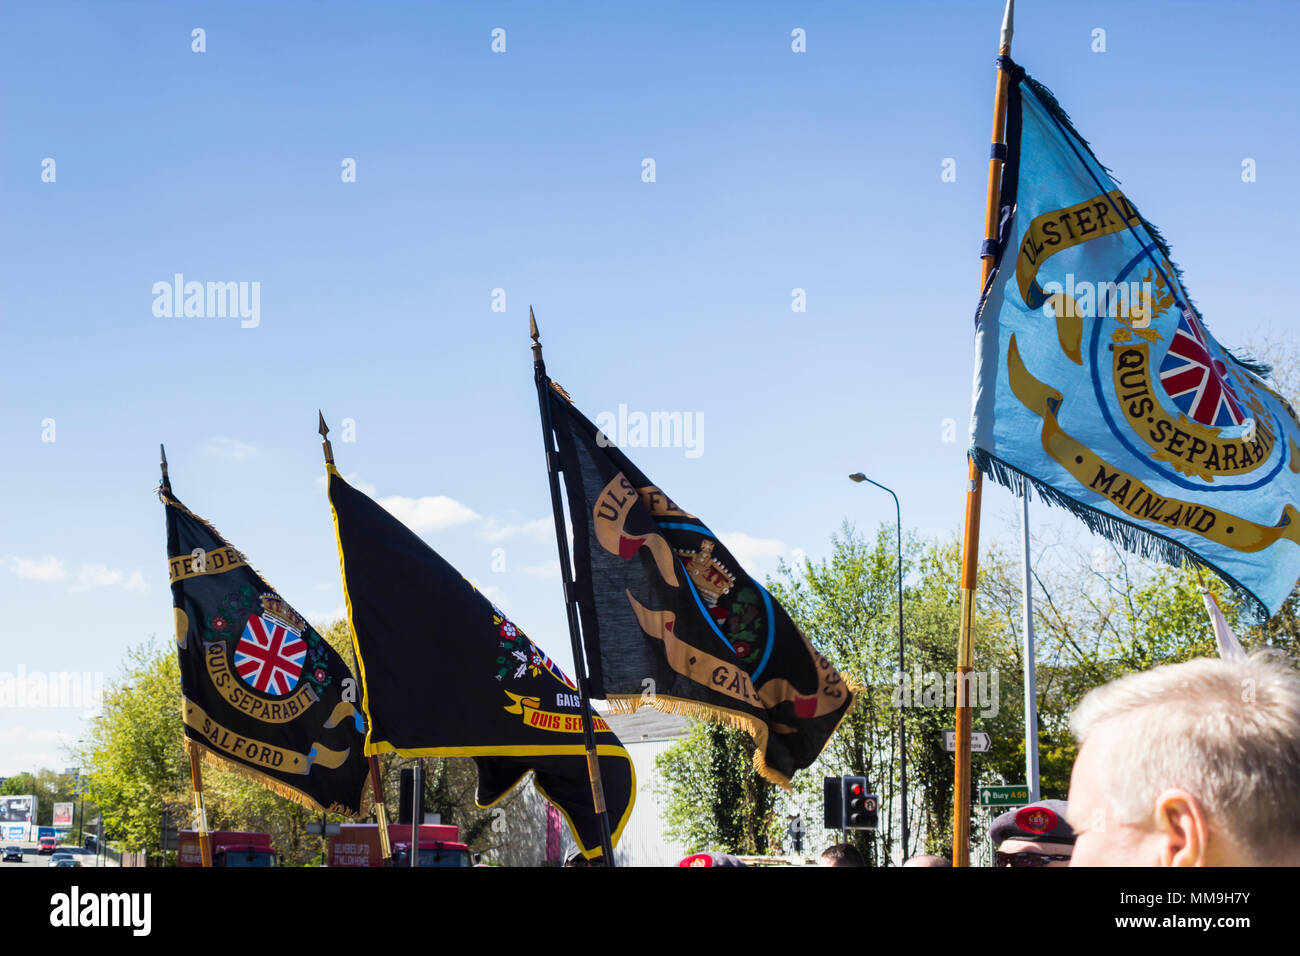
point(522, 171)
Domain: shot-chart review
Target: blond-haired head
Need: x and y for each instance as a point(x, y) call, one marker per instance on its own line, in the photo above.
point(1192, 763)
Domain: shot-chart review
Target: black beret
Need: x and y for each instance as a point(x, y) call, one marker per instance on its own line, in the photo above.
point(1041, 822)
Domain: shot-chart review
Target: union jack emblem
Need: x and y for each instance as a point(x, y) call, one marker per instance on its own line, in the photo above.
point(538, 658)
point(1195, 380)
point(269, 656)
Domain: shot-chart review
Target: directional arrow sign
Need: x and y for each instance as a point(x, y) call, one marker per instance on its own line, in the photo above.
point(979, 741)
point(1013, 795)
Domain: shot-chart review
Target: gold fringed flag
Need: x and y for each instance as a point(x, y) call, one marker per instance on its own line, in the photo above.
point(671, 619)
point(446, 673)
point(261, 691)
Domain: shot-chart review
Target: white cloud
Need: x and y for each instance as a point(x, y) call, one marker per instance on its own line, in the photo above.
point(541, 529)
point(101, 576)
point(753, 552)
point(365, 487)
point(25, 748)
point(229, 448)
point(323, 619)
point(549, 570)
point(489, 591)
point(86, 576)
point(47, 568)
point(430, 513)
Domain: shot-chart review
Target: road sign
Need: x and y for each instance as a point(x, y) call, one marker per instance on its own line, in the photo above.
point(980, 742)
point(1011, 795)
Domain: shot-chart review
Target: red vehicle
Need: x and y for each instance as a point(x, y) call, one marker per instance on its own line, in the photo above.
point(229, 848)
point(47, 844)
point(357, 844)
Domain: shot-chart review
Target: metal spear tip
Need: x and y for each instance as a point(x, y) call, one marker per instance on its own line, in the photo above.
point(532, 324)
point(858, 476)
point(1008, 23)
point(324, 429)
point(162, 454)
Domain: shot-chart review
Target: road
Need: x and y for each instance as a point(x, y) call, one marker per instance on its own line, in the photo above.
point(32, 858)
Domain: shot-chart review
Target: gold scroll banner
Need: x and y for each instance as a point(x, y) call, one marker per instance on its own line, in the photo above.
point(1188, 446)
point(1128, 493)
point(660, 505)
point(610, 512)
point(259, 708)
point(691, 662)
point(533, 715)
point(1058, 230)
point(255, 752)
point(727, 679)
point(216, 561)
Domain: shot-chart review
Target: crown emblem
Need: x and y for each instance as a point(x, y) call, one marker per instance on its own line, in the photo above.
point(273, 607)
point(711, 579)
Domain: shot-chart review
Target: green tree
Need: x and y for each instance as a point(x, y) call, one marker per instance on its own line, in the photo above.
point(132, 759)
point(20, 784)
point(715, 798)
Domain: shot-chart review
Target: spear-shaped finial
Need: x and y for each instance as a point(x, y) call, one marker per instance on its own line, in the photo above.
point(535, 335)
point(1008, 27)
point(162, 462)
point(324, 439)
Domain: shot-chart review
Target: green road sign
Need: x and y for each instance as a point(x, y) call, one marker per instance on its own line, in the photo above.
point(1012, 795)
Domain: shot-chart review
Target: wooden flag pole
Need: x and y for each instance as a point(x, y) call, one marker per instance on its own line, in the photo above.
point(961, 792)
point(196, 772)
point(570, 604)
point(376, 781)
point(200, 814)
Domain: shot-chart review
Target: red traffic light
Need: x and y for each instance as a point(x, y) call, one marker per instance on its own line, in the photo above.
point(857, 789)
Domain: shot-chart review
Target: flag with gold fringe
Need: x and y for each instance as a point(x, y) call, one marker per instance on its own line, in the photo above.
point(671, 620)
point(261, 691)
point(1099, 385)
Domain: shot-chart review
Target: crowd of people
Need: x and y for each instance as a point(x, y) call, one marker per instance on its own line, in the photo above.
point(1191, 764)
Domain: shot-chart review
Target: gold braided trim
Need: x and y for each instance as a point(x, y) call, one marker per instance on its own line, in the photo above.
point(278, 787)
point(758, 729)
point(171, 502)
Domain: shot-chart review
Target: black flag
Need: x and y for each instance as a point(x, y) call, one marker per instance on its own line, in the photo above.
point(260, 689)
point(670, 618)
point(445, 672)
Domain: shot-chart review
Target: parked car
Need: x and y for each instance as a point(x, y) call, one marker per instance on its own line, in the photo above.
point(14, 853)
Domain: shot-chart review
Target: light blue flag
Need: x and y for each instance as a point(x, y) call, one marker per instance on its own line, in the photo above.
point(1098, 383)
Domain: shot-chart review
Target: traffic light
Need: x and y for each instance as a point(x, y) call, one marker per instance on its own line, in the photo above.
point(859, 806)
point(406, 808)
point(833, 803)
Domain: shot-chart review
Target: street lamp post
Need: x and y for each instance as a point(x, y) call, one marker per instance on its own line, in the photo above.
point(902, 737)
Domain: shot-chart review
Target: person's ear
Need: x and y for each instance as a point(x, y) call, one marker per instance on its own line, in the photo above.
point(1181, 826)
